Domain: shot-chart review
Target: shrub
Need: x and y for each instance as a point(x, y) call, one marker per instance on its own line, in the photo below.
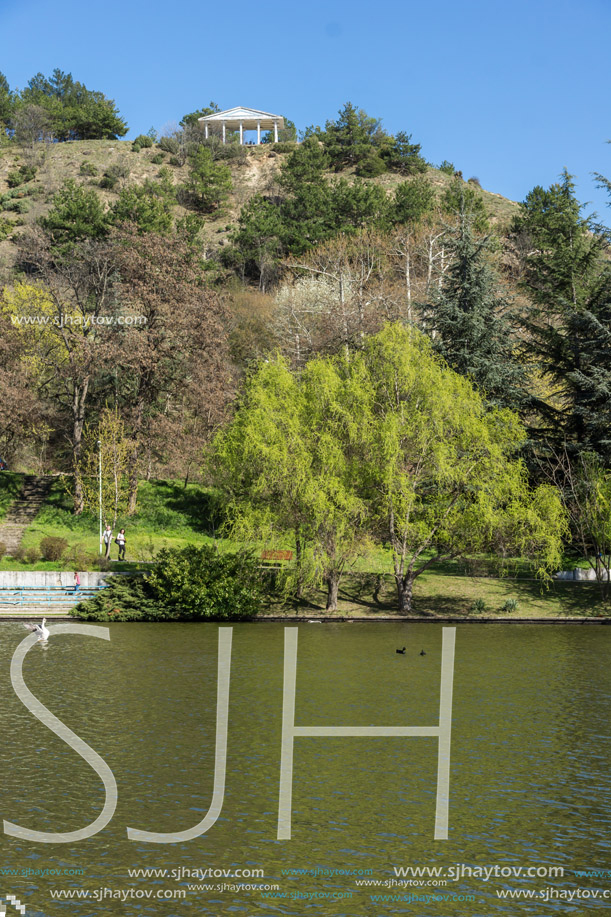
point(371, 166)
point(187, 584)
point(284, 147)
point(157, 159)
point(2, 549)
point(174, 161)
point(19, 554)
point(32, 555)
point(15, 205)
point(113, 174)
point(478, 607)
point(474, 180)
point(21, 175)
point(510, 606)
point(169, 145)
point(88, 168)
point(6, 228)
point(142, 141)
point(447, 167)
point(53, 548)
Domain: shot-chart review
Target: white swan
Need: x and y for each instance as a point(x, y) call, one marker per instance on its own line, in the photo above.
point(40, 629)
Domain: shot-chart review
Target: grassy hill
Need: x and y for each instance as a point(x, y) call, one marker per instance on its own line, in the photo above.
point(73, 160)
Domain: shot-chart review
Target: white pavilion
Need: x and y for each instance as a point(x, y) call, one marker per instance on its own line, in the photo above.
point(242, 119)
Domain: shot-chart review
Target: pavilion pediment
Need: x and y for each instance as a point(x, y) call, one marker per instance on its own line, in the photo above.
point(243, 114)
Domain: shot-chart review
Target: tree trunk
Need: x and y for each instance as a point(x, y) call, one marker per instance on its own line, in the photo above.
point(332, 581)
point(405, 588)
point(78, 424)
point(299, 565)
point(133, 483)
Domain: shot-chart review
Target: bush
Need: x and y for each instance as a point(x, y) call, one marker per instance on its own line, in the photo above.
point(169, 145)
point(19, 554)
point(174, 161)
point(6, 228)
point(510, 606)
point(371, 166)
point(88, 168)
point(2, 549)
point(15, 205)
point(187, 584)
point(113, 174)
point(20, 176)
point(474, 180)
point(32, 555)
point(53, 548)
point(478, 607)
point(157, 159)
point(447, 167)
point(142, 141)
point(284, 147)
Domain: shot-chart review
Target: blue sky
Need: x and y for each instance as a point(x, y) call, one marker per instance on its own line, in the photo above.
point(509, 92)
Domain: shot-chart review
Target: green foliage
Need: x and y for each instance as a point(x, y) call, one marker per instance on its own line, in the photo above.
point(565, 271)
point(284, 146)
point(7, 101)
point(21, 175)
point(157, 159)
point(461, 198)
point(204, 583)
point(413, 201)
point(6, 228)
point(53, 548)
point(113, 174)
point(75, 112)
point(191, 120)
point(76, 213)
point(509, 607)
point(126, 598)
point(2, 549)
point(479, 607)
point(468, 316)
point(209, 182)
point(352, 137)
point(371, 166)
point(448, 168)
point(145, 205)
point(88, 168)
point(143, 141)
point(169, 145)
point(403, 156)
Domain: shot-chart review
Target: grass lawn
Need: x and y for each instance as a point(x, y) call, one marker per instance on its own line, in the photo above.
point(170, 515)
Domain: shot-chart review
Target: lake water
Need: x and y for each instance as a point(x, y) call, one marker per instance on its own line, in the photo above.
point(530, 769)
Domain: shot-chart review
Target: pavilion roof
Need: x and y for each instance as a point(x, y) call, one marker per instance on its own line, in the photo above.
point(246, 115)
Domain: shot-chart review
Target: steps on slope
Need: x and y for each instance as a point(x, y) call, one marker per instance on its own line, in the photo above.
point(23, 510)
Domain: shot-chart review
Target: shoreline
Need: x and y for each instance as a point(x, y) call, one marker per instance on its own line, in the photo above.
point(25, 616)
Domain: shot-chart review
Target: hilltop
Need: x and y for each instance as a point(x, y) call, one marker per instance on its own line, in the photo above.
point(87, 161)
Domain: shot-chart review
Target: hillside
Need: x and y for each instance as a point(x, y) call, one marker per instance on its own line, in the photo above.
point(58, 162)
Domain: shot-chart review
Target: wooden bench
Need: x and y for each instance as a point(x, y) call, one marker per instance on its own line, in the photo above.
point(275, 558)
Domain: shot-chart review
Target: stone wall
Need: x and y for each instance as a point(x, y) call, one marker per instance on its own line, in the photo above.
point(49, 579)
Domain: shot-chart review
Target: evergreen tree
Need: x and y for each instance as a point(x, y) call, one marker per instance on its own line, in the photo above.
point(76, 113)
point(350, 139)
point(7, 102)
point(567, 277)
point(468, 321)
point(76, 213)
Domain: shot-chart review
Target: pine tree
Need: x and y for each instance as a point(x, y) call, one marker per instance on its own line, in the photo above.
point(468, 317)
point(568, 281)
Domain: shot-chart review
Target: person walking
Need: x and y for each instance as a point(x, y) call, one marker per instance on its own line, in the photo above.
point(120, 539)
point(107, 539)
point(77, 581)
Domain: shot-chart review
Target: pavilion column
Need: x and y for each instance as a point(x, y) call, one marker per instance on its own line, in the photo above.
point(275, 132)
point(258, 132)
point(223, 132)
point(241, 133)
point(206, 130)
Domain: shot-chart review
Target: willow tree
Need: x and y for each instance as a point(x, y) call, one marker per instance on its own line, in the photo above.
point(290, 475)
point(440, 475)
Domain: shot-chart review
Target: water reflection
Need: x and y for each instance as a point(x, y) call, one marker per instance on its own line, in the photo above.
point(529, 776)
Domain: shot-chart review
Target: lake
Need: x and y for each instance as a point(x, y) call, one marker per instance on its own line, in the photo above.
point(530, 775)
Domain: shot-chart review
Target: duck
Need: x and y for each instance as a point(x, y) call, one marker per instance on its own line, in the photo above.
point(402, 652)
point(422, 653)
point(41, 629)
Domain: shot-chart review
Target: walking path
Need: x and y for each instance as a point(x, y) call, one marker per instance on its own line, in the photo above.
point(23, 511)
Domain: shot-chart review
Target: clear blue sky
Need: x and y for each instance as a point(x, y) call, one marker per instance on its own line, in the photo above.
point(509, 91)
